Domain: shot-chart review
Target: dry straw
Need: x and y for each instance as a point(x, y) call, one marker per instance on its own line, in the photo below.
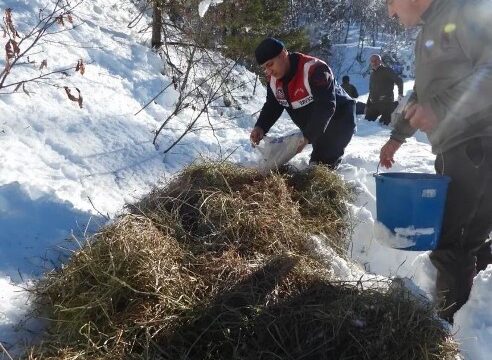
point(215, 265)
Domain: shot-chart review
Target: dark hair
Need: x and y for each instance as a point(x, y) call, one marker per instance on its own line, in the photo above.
point(345, 78)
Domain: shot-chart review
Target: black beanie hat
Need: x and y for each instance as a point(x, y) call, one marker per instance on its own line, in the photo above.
point(268, 49)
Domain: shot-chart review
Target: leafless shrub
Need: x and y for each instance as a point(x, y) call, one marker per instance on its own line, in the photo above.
point(19, 47)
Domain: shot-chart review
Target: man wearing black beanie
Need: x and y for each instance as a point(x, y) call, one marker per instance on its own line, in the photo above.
point(305, 87)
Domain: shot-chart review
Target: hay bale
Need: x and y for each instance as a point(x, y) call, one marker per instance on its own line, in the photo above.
point(221, 205)
point(343, 321)
point(323, 196)
point(288, 310)
point(124, 276)
point(214, 266)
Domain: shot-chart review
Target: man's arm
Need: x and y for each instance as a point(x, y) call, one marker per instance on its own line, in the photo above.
point(471, 94)
point(387, 153)
point(402, 128)
point(270, 112)
point(323, 89)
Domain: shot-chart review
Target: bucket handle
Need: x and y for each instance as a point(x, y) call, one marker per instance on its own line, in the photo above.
point(377, 169)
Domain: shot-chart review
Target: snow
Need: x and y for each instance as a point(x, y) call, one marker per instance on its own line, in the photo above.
point(412, 231)
point(474, 332)
point(65, 170)
point(340, 267)
point(205, 4)
point(399, 240)
point(402, 238)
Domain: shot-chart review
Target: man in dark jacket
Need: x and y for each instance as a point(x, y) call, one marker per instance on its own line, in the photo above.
point(305, 87)
point(351, 90)
point(381, 84)
point(453, 82)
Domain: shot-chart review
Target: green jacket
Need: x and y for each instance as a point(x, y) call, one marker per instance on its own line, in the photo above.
point(453, 72)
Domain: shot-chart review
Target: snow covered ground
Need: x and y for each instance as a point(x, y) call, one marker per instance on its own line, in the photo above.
point(65, 169)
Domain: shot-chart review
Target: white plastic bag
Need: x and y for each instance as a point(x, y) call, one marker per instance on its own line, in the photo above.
point(276, 151)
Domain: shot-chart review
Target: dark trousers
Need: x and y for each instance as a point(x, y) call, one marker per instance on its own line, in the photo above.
point(360, 108)
point(373, 110)
point(330, 147)
point(467, 223)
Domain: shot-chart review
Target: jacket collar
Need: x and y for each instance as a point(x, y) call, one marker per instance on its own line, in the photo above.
point(434, 9)
point(381, 66)
point(294, 61)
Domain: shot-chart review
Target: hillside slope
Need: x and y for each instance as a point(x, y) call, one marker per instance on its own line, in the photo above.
point(56, 156)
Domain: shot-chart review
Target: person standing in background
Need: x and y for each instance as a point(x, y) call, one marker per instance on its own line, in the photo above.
point(381, 85)
point(351, 90)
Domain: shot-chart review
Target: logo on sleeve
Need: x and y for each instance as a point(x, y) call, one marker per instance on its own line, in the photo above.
point(299, 91)
point(280, 93)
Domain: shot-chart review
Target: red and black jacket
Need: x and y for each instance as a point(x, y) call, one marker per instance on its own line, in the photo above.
point(308, 93)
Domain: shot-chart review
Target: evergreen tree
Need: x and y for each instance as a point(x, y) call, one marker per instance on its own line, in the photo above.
point(234, 27)
point(247, 22)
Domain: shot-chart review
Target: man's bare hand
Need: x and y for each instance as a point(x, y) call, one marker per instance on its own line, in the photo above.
point(302, 144)
point(256, 135)
point(387, 153)
point(421, 117)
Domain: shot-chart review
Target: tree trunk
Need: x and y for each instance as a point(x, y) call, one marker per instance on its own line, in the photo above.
point(347, 32)
point(374, 33)
point(156, 26)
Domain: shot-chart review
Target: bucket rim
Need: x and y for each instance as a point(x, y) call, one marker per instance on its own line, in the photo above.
point(412, 176)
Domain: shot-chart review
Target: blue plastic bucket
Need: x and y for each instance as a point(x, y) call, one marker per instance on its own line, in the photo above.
point(411, 206)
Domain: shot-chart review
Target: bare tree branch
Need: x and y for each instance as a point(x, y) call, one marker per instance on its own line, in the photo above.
point(37, 33)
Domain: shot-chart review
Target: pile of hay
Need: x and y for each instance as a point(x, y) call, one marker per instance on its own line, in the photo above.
point(220, 205)
point(215, 266)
